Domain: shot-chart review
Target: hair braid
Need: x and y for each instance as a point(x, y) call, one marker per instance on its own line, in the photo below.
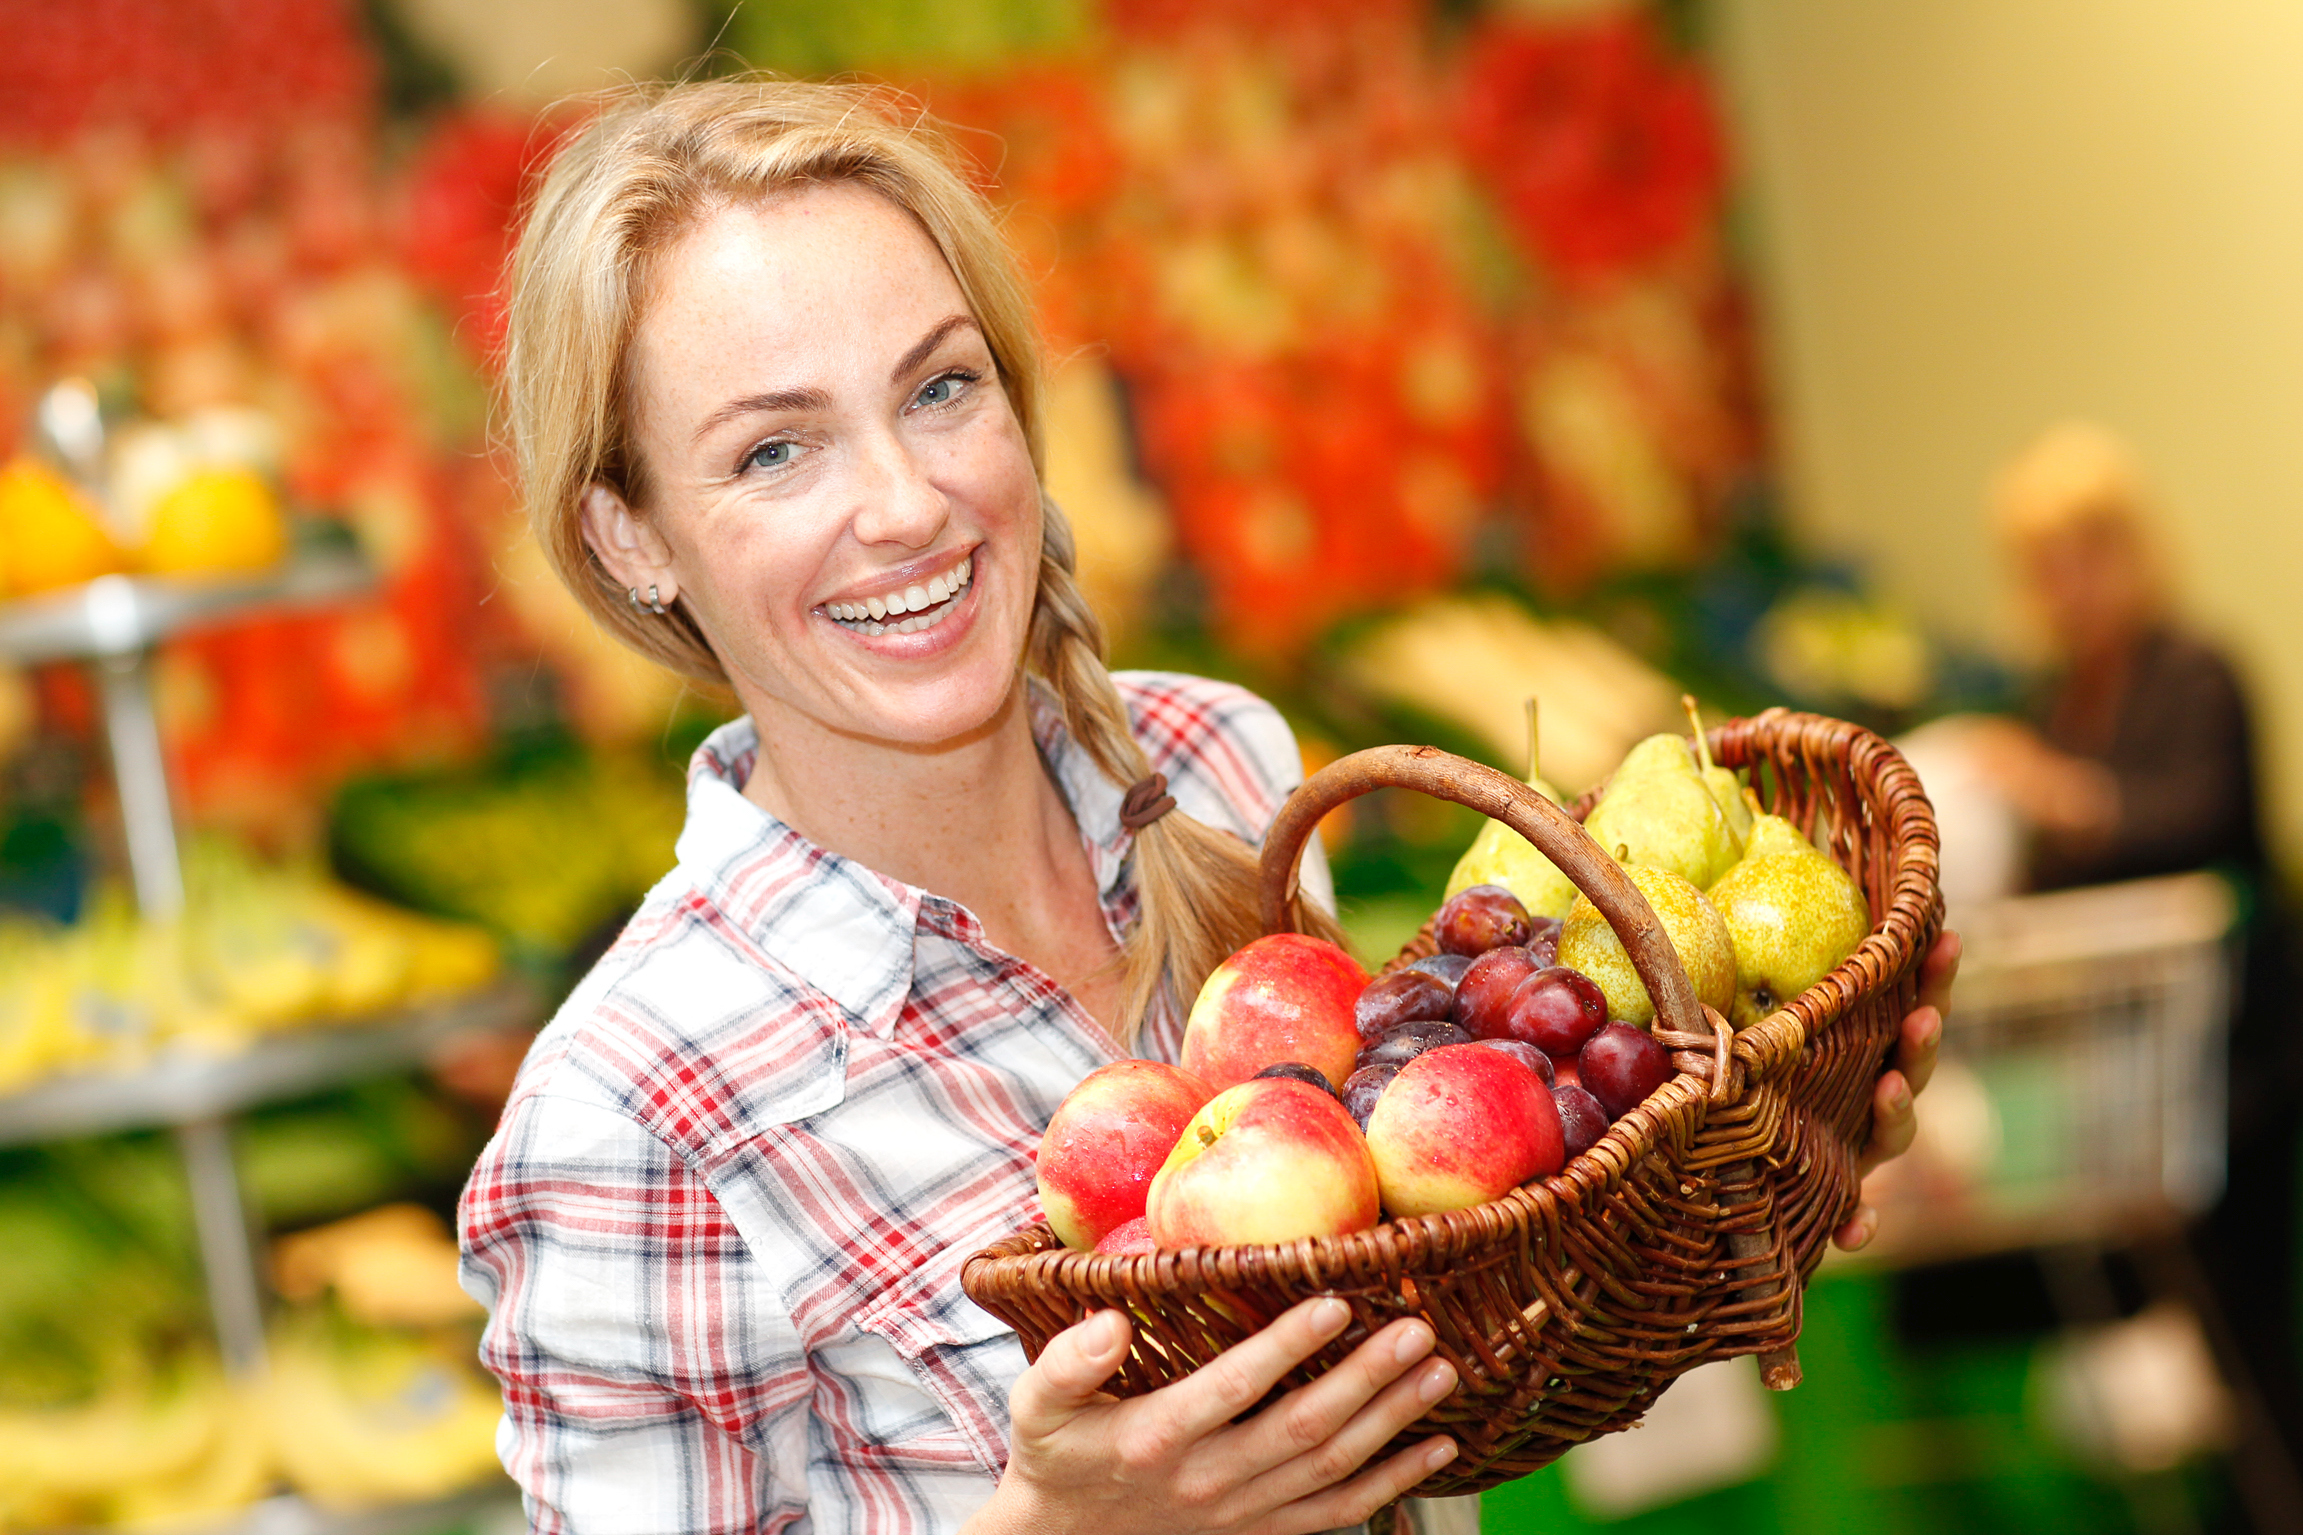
point(1198, 884)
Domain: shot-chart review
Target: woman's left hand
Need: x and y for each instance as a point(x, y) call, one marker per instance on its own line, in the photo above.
point(1893, 1120)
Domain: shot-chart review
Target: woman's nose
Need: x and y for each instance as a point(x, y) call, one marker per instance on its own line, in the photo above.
point(897, 500)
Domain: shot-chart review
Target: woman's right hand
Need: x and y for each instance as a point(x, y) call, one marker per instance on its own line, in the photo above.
point(1174, 1461)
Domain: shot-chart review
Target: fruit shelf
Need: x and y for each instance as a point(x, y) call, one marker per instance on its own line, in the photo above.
point(485, 1510)
point(181, 1087)
point(119, 615)
point(111, 625)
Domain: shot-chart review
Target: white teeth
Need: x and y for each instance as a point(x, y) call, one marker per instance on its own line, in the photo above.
point(916, 600)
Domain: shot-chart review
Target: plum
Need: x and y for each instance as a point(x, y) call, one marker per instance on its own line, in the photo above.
point(1404, 996)
point(1363, 1087)
point(1581, 1119)
point(1555, 1009)
point(1448, 967)
point(1484, 917)
point(1485, 990)
point(1297, 1071)
point(1410, 1040)
point(1621, 1065)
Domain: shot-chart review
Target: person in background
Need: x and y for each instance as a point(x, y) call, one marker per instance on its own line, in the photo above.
point(2137, 759)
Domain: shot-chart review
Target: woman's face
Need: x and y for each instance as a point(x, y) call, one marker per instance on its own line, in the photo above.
point(837, 486)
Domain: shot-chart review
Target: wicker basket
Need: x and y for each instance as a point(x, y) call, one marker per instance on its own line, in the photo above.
point(1684, 1236)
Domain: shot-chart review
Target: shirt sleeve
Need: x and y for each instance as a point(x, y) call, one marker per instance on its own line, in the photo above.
point(651, 1383)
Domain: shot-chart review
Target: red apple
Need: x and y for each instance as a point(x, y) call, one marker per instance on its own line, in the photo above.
point(1128, 1239)
point(1459, 1126)
point(1282, 998)
point(1270, 1160)
point(1107, 1139)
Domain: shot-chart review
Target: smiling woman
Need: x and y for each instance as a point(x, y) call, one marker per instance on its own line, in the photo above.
point(774, 390)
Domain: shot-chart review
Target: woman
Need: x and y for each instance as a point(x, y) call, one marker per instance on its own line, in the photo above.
point(773, 386)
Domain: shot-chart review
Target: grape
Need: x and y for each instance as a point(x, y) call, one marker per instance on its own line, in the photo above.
point(1485, 990)
point(1481, 918)
point(1448, 967)
point(1526, 1054)
point(1410, 1040)
point(1297, 1071)
point(1363, 1087)
point(1401, 997)
point(1581, 1120)
point(1555, 1009)
point(1621, 1066)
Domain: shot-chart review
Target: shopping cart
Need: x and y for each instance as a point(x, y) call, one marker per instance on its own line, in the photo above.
point(2081, 1094)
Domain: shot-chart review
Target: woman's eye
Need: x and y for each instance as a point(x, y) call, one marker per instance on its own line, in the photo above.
point(771, 455)
point(941, 391)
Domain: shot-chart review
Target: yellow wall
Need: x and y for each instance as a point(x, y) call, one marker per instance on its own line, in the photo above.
point(1972, 217)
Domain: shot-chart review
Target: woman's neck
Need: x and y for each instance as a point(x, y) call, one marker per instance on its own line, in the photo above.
point(977, 821)
point(927, 815)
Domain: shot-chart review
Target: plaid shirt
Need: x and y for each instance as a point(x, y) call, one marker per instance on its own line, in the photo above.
point(720, 1227)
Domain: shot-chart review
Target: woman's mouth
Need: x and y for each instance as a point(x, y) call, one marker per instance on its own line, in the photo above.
point(909, 611)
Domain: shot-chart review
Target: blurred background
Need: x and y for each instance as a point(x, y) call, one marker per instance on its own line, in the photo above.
point(1937, 367)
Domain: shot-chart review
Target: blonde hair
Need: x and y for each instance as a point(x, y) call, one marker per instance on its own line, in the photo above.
point(2073, 474)
point(649, 167)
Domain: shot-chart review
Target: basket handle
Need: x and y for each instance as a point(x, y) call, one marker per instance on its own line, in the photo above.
point(1499, 796)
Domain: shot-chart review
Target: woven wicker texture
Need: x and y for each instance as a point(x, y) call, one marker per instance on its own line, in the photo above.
point(1684, 1236)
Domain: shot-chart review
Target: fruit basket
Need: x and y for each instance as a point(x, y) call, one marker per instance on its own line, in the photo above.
point(1684, 1236)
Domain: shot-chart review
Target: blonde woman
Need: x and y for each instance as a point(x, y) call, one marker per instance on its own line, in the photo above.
point(774, 391)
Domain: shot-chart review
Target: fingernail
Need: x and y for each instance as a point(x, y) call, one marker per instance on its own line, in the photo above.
point(1414, 1342)
point(1439, 1454)
point(1329, 1315)
point(1437, 1382)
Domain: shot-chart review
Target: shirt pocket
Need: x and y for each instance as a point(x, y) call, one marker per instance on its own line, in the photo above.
point(961, 1355)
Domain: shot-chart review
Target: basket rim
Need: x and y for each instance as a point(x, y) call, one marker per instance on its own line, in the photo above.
point(1763, 1050)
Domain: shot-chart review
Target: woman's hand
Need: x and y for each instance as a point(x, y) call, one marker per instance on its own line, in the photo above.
point(1175, 1461)
point(1893, 1120)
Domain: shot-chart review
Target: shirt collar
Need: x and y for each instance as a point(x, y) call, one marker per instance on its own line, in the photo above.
point(842, 928)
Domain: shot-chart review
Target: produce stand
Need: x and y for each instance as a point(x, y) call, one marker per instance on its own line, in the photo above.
point(111, 625)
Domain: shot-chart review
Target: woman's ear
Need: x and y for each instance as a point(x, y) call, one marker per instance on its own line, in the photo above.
point(633, 552)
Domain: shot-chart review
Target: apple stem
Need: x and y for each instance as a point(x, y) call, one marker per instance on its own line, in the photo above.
point(1695, 719)
point(1534, 756)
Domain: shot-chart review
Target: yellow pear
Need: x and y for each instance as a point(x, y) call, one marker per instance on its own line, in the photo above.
point(1792, 913)
point(1501, 856)
point(1588, 944)
point(1659, 812)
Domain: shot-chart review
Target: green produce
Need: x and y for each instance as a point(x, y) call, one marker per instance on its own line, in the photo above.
point(1501, 856)
point(1588, 944)
point(1792, 913)
point(1659, 812)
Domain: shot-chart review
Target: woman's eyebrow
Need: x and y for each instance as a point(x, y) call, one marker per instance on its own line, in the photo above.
point(923, 348)
point(778, 399)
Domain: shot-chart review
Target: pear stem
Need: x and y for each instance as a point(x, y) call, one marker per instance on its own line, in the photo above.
point(1534, 755)
point(1695, 719)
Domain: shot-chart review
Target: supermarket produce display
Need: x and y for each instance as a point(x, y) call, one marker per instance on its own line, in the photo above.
point(226, 984)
